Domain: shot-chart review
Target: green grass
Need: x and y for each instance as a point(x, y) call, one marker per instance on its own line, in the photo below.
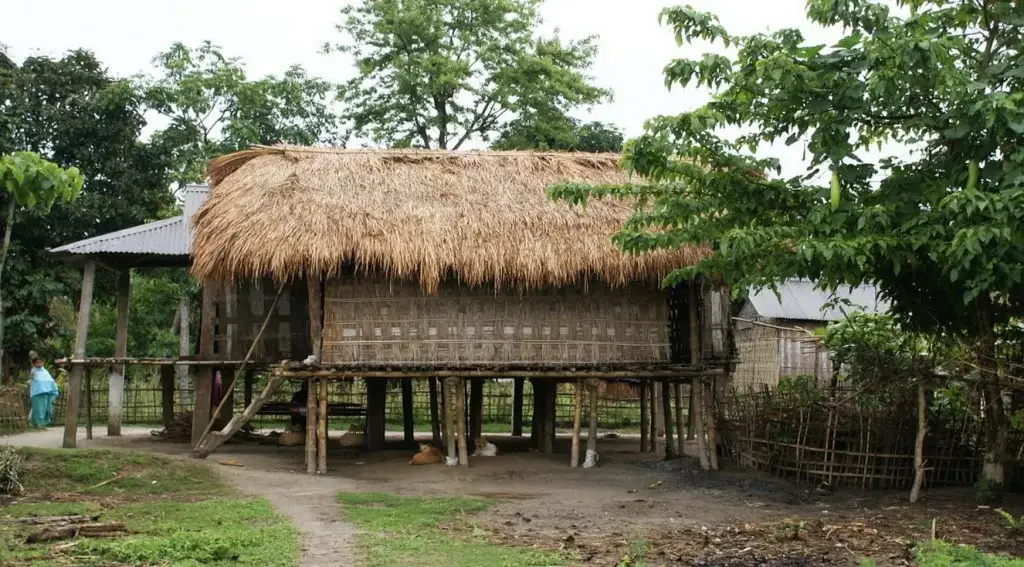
point(401, 530)
point(177, 513)
point(945, 554)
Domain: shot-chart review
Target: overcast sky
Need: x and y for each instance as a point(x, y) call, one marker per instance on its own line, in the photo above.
point(270, 36)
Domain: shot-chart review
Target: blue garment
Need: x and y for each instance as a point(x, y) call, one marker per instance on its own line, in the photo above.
point(42, 383)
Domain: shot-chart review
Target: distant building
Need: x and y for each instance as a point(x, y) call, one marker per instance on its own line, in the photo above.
point(776, 333)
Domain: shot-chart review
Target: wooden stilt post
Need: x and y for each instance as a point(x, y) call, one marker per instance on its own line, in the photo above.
point(204, 377)
point(78, 370)
point(232, 351)
point(311, 421)
point(652, 426)
point(691, 415)
point(247, 380)
point(435, 422)
point(577, 410)
point(644, 419)
point(376, 405)
point(463, 442)
point(591, 458)
point(88, 403)
point(444, 408)
point(408, 421)
point(321, 427)
point(449, 391)
point(677, 388)
point(712, 424)
point(476, 409)
point(183, 350)
point(535, 415)
point(698, 420)
point(517, 406)
point(666, 409)
point(167, 394)
point(547, 418)
point(115, 377)
point(658, 414)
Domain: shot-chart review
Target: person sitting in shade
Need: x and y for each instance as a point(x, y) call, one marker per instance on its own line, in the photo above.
point(42, 391)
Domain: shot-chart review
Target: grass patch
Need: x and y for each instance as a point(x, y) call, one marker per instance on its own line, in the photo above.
point(178, 513)
point(944, 554)
point(428, 532)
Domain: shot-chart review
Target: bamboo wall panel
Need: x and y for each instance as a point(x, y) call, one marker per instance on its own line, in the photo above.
point(372, 320)
point(286, 336)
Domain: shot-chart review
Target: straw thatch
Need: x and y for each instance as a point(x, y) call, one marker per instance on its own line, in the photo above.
point(423, 215)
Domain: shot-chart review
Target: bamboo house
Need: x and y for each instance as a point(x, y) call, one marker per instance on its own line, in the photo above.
point(455, 267)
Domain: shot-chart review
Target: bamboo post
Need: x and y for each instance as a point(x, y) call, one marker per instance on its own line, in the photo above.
point(680, 423)
point(698, 420)
point(644, 419)
point(577, 410)
point(652, 433)
point(712, 424)
point(517, 407)
point(311, 421)
point(183, 350)
point(435, 422)
point(690, 415)
point(460, 414)
point(115, 378)
point(321, 427)
point(376, 406)
point(78, 370)
point(88, 403)
point(409, 425)
point(666, 408)
point(659, 418)
point(591, 459)
point(204, 379)
point(449, 391)
point(476, 409)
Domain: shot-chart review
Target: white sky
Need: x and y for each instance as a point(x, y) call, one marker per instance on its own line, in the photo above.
point(270, 36)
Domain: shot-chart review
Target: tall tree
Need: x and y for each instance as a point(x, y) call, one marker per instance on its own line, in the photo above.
point(938, 228)
point(213, 108)
point(438, 73)
point(72, 113)
point(560, 134)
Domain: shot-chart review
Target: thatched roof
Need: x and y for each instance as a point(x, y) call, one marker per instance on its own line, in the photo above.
point(484, 216)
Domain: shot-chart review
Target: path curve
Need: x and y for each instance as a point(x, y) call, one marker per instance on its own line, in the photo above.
point(308, 501)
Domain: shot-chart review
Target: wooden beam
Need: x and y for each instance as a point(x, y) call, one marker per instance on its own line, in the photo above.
point(591, 459)
point(666, 405)
point(449, 389)
point(167, 395)
point(550, 399)
point(201, 407)
point(463, 441)
point(78, 370)
point(183, 351)
point(680, 422)
point(577, 410)
point(115, 377)
point(321, 428)
point(408, 421)
point(435, 422)
point(658, 415)
point(698, 420)
point(517, 406)
point(645, 419)
point(476, 409)
point(376, 403)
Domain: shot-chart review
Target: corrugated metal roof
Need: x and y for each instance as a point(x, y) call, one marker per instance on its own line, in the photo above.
point(803, 300)
point(168, 237)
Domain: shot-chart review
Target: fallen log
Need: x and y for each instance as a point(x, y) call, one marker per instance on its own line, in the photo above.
point(40, 520)
point(55, 533)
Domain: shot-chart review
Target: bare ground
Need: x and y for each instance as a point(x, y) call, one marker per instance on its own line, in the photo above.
point(678, 514)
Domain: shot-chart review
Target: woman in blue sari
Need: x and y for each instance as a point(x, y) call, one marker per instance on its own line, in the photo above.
point(42, 392)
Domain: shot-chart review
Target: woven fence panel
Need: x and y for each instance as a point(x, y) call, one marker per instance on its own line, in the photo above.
point(378, 321)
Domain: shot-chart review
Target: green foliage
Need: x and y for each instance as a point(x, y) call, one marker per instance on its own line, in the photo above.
point(1014, 523)
point(11, 462)
point(802, 387)
point(438, 73)
point(987, 492)
point(214, 108)
point(944, 554)
point(562, 134)
point(400, 530)
point(636, 553)
point(34, 183)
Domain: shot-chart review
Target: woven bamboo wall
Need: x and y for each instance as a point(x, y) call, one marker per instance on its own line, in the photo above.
point(373, 320)
point(241, 315)
point(769, 353)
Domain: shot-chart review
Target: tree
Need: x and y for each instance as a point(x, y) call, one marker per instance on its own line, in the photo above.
point(937, 222)
point(438, 73)
point(34, 184)
point(214, 108)
point(71, 113)
point(561, 134)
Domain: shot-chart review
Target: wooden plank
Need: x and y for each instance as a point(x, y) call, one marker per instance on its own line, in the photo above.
point(115, 376)
point(321, 428)
point(435, 422)
point(217, 438)
point(78, 370)
point(577, 410)
point(460, 415)
point(201, 406)
point(517, 406)
point(167, 395)
point(408, 422)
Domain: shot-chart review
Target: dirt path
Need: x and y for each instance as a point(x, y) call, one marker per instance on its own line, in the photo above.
point(309, 502)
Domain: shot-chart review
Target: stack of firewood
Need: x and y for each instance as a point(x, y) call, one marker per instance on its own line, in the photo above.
point(54, 528)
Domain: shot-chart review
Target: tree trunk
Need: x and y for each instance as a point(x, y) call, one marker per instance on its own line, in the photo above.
point(922, 424)
point(996, 425)
point(8, 229)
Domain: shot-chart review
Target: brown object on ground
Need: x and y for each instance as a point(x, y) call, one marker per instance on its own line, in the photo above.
point(428, 455)
point(54, 533)
point(104, 483)
point(45, 520)
point(230, 463)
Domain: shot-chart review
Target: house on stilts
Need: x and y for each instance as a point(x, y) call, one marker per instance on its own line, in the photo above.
point(451, 267)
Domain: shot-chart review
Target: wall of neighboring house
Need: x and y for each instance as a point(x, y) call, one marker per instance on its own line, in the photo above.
point(770, 349)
